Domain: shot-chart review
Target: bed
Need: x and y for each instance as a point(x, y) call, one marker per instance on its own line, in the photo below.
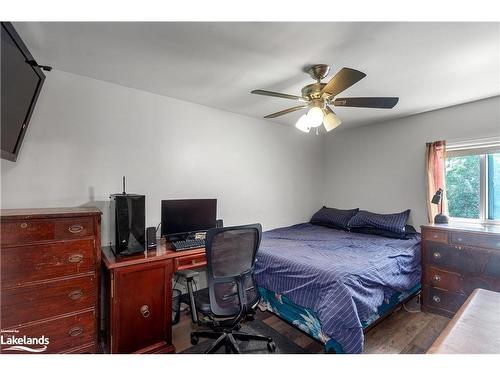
point(333, 284)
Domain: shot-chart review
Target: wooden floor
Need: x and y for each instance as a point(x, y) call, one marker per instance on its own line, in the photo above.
point(402, 332)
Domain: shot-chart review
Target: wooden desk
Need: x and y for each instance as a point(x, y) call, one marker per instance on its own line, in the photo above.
point(137, 298)
point(475, 329)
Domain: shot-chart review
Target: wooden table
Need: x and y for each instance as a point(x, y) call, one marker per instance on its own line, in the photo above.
point(475, 329)
point(137, 298)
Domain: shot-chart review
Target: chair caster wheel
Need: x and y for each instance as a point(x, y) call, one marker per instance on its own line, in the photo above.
point(194, 340)
point(271, 346)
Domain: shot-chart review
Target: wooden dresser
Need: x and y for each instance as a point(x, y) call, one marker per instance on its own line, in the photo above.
point(456, 259)
point(50, 262)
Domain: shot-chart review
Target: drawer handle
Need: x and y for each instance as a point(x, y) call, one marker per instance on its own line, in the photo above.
point(145, 311)
point(435, 236)
point(436, 299)
point(75, 331)
point(436, 278)
point(436, 255)
point(75, 294)
point(24, 225)
point(459, 239)
point(75, 228)
point(75, 258)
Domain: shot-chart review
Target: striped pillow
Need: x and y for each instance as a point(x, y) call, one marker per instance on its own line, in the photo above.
point(333, 217)
point(394, 223)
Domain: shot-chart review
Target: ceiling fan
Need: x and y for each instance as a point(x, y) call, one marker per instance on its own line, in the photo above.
point(319, 96)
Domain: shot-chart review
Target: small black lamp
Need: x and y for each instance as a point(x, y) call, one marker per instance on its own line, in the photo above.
point(436, 199)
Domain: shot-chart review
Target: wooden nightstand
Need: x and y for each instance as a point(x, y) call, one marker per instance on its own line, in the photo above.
point(456, 259)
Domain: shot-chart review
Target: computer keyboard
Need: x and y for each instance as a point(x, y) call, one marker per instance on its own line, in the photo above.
point(188, 244)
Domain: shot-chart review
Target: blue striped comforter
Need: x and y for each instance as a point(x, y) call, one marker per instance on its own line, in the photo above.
point(343, 277)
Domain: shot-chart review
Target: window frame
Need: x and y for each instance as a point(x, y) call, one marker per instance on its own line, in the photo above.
point(483, 177)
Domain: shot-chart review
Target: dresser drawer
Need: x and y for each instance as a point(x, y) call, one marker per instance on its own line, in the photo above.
point(192, 261)
point(442, 299)
point(87, 349)
point(469, 239)
point(455, 258)
point(446, 280)
point(41, 301)
point(66, 229)
point(63, 334)
point(435, 236)
point(32, 263)
point(492, 268)
point(23, 232)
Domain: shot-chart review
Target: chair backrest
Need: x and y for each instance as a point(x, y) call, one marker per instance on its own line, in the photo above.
point(231, 256)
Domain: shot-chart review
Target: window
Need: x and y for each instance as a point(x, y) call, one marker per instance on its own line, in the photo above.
point(493, 209)
point(473, 180)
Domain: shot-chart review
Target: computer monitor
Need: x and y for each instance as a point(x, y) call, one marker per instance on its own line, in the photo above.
point(181, 216)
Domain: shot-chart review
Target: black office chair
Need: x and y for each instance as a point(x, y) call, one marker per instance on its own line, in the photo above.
point(231, 294)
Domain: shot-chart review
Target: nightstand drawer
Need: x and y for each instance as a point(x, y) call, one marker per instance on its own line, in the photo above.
point(442, 299)
point(36, 302)
point(468, 239)
point(34, 263)
point(435, 236)
point(446, 280)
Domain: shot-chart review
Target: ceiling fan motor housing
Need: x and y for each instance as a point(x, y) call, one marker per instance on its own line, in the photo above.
point(313, 91)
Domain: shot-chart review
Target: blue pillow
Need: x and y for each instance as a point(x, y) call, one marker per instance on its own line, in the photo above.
point(333, 217)
point(394, 223)
point(410, 232)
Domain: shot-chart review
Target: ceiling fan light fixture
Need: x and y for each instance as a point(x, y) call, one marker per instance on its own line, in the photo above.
point(303, 124)
point(315, 117)
point(331, 120)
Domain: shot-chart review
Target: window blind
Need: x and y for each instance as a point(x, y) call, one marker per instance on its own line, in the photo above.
point(473, 147)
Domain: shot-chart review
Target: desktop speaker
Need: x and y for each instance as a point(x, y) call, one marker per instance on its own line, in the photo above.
point(219, 223)
point(127, 223)
point(151, 238)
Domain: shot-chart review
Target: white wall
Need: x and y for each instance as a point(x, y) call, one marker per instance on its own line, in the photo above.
point(85, 134)
point(381, 167)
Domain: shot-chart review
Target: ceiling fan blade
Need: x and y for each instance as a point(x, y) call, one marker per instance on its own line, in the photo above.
point(388, 102)
point(286, 111)
point(345, 78)
point(278, 95)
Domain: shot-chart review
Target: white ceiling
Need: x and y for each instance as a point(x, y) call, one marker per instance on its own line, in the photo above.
point(428, 65)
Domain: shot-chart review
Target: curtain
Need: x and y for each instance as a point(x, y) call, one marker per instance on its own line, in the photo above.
point(435, 168)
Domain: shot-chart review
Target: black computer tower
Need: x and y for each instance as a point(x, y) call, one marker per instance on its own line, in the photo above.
point(127, 223)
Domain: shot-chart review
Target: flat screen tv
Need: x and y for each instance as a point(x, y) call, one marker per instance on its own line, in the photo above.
point(21, 83)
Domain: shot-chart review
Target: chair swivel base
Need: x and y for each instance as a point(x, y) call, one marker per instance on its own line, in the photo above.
point(228, 339)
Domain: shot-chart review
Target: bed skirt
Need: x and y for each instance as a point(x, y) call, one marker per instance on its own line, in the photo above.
point(307, 321)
